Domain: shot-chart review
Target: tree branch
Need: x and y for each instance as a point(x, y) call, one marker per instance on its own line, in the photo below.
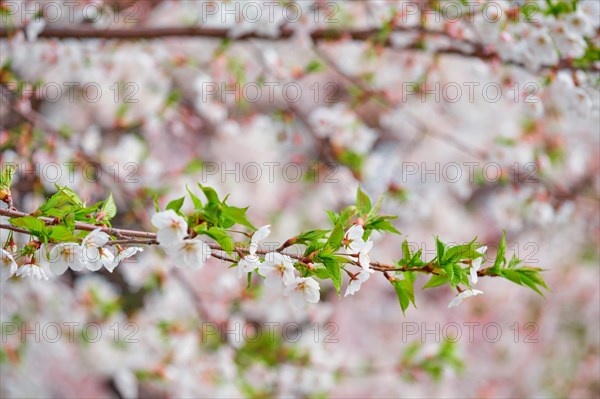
point(151, 240)
point(479, 50)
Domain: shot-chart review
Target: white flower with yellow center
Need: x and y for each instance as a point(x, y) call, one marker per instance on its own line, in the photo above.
point(172, 228)
point(303, 289)
point(192, 253)
point(94, 256)
point(277, 268)
point(66, 255)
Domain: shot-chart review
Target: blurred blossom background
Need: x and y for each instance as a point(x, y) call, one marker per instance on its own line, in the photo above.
point(470, 117)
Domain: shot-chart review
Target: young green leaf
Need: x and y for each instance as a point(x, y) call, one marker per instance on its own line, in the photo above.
point(500, 258)
point(363, 202)
point(109, 207)
point(405, 290)
point(436, 281)
point(176, 204)
point(195, 200)
point(33, 224)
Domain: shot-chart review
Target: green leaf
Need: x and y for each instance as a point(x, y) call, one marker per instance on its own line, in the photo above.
point(6, 176)
point(406, 251)
point(348, 213)
point(363, 202)
point(156, 207)
point(405, 290)
point(500, 258)
point(33, 224)
point(109, 207)
point(382, 223)
point(334, 270)
point(234, 215)
point(176, 204)
point(320, 271)
point(461, 252)
point(332, 216)
point(64, 201)
point(195, 200)
point(377, 206)
point(436, 281)
point(311, 235)
point(210, 193)
point(440, 250)
point(526, 276)
point(335, 238)
point(61, 234)
point(219, 235)
point(313, 66)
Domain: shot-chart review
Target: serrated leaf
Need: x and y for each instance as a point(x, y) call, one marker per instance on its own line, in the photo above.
point(500, 258)
point(460, 252)
point(335, 238)
point(176, 204)
point(406, 251)
point(382, 223)
point(220, 236)
point(61, 234)
point(348, 213)
point(440, 250)
point(334, 270)
point(376, 207)
point(320, 271)
point(311, 235)
point(195, 200)
point(231, 215)
point(210, 193)
point(33, 224)
point(405, 291)
point(363, 202)
point(332, 216)
point(6, 176)
point(109, 207)
point(436, 281)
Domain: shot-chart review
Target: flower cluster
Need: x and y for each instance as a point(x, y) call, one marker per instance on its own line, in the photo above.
point(172, 230)
point(55, 259)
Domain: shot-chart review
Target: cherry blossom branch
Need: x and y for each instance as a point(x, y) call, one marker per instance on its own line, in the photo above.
point(478, 50)
point(129, 237)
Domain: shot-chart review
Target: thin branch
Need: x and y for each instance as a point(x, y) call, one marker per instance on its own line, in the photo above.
point(479, 50)
point(378, 266)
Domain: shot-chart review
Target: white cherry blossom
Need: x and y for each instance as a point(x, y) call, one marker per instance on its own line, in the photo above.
point(172, 228)
point(251, 262)
point(303, 289)
point(8, 266)
point(192, 253)
point(66, 255)
point(277, 268)
point(476, 264)
point(122, 255)
point(543, 51)
point(32, 269)
point(94, 256)
point(357, 281)
point(460, 298)
point(354, 243)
